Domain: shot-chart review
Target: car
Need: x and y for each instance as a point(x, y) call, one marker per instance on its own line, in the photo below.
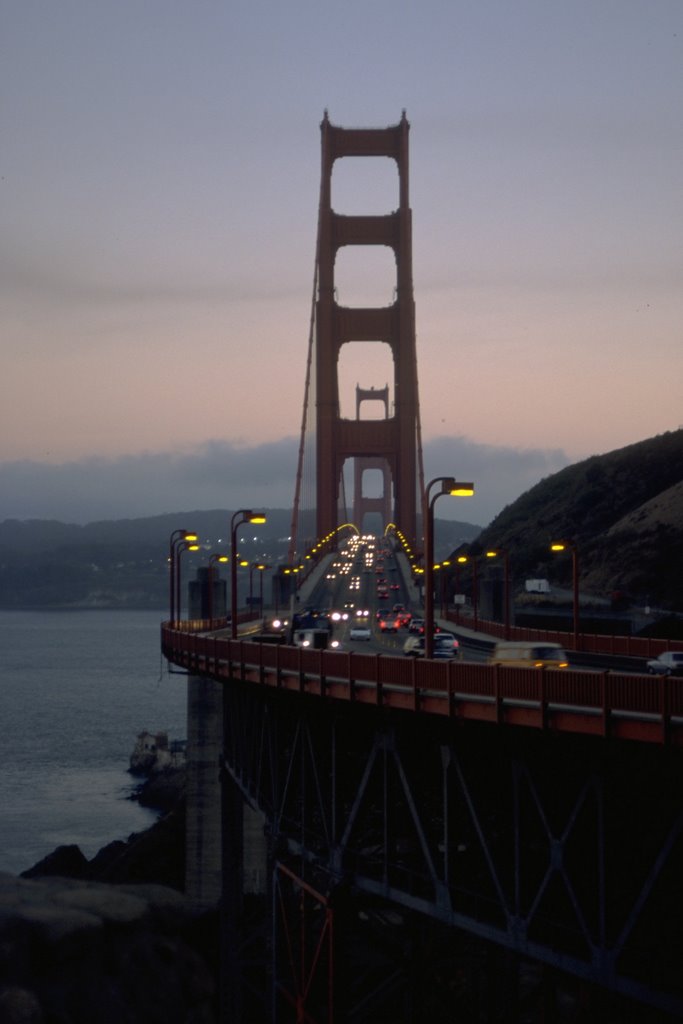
point(390, 624)
point(529, 654)
point(360, 633)
point(443, 646)
point(417, 626)
point(445, 641)
point(670, 663)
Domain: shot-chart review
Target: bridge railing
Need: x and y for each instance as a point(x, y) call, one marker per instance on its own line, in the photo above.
point(588, 643)
point(599, 703)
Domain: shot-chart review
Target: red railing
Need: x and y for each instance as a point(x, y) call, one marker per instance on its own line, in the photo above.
point(589, 643)
point(606, 704)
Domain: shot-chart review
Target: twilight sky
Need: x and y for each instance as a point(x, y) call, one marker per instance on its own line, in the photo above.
point(159, 176)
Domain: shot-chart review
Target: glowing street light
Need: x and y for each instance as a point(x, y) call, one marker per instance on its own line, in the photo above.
point(212, 561)
point(243, 515)
point(570, 545)
point(184, 545)
point(500, 553)
point(449, 485)
point(260, 567)
point(464, 560)
point(177, 538)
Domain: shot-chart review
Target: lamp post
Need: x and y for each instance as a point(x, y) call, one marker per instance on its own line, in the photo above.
point(212, 561)
point(444, 567)
point(177, 537)
point(259, 567)
point(184, 545)
point(464, 559)
point(243, 515)
point(449, 485)
point(501, 553)
point(564, 545)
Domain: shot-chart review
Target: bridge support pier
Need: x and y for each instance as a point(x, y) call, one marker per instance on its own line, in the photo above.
point(204, 748)
point(232, 901)
point(203, 831)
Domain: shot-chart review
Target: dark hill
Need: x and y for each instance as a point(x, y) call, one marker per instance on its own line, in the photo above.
point(123, 563)
point(624, 511)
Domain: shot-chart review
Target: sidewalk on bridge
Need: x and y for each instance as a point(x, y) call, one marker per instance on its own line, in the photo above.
point(310, 583)
point(473, 637)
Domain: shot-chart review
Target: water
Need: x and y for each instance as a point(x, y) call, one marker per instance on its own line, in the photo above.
point(76, 688)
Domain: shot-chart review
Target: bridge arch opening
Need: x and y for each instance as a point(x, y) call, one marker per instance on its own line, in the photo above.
point(365, 276)
point(372, 483)
point(369, 364)
point(369, 495)
point(365, 185)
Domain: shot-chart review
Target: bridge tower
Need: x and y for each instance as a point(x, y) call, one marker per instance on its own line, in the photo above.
point(392, 443)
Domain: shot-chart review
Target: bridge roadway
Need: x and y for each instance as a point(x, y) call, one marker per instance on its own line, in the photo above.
point(538, 813)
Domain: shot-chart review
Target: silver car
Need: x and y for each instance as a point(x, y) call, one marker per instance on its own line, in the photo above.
point(444, 645)
point(668, 664)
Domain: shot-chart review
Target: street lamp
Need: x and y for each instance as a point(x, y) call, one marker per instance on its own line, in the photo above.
point(501, 553)
point(243, 515)
point(449, 485)
point(184, 545)
point(463, 560)
point(443, 568)
point(212, 561)
point(570, 545)
point(177, 537)
point(261, 568)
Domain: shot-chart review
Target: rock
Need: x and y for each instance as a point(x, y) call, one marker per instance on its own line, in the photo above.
point(79, 952)
point(163, 790)
point(18, 1006)
point(155, 855)
point(67, 861)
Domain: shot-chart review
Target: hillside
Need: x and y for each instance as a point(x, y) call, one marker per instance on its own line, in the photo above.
point(123, 563)
point(624, 511)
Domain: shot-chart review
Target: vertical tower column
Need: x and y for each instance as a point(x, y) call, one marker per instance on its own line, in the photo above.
point(395, 438)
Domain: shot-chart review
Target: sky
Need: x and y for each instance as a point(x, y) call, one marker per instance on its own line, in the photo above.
point(159, 179)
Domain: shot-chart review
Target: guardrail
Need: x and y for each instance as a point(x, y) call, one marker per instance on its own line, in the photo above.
point(589, 643)
point(596, 703)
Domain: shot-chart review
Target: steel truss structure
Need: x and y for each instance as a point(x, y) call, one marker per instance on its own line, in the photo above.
point(565, 850)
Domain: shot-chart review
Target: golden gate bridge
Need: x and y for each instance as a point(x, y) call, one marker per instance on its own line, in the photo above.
point(433, 831)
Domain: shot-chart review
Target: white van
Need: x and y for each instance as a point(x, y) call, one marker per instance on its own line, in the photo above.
point(529, 654)
point(315, 639)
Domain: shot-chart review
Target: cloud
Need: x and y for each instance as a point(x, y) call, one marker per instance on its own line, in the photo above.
point(220, 474)
point(500, 475)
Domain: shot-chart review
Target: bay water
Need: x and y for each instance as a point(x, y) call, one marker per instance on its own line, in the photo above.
point(76, 689)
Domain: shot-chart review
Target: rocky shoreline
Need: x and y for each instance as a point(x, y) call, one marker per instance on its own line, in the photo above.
point(112, 939)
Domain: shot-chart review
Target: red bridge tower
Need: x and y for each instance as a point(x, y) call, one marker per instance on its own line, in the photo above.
point(390, 444)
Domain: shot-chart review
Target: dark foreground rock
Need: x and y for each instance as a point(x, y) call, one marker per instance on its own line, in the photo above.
point(82, 952)
point(163, 790)
point(111, 940)
point(155, 855)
